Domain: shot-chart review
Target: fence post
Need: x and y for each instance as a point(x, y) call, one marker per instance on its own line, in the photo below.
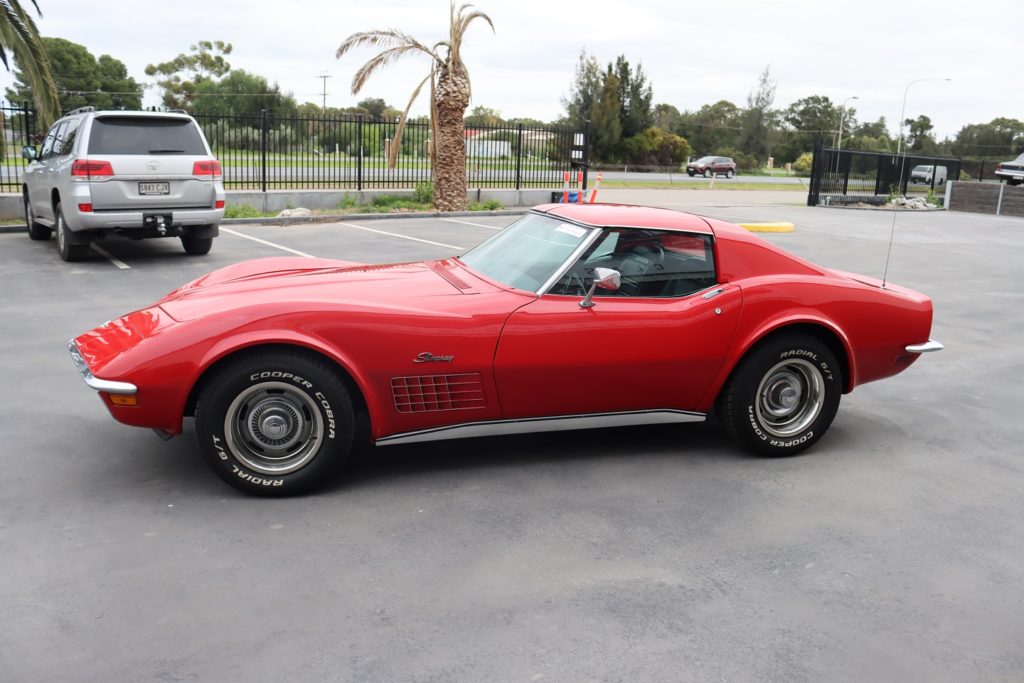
point(817, 158)
point(359, 153)
point(519, 157)
point(263, 149)
point(586, 153)
point(981, 171)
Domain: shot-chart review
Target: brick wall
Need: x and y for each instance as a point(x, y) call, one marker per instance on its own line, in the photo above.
point(984, 198)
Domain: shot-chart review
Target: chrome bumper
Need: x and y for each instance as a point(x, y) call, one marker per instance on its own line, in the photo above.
point(93, 382)
point(927, 347)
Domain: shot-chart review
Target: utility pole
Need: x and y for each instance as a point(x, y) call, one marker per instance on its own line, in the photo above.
point(324, 76)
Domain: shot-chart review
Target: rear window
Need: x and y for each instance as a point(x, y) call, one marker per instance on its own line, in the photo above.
point(145, 136)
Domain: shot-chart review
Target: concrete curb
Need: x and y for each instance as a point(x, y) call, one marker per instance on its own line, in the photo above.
point(334, 218)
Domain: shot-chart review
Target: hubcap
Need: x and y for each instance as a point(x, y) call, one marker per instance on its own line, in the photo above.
point(273, 428)
point(789, 398)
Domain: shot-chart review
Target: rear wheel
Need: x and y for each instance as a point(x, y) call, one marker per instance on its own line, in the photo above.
point(196, 246)
point(65, 247)
point(275, 423)
point(783, 396)
point(36, 231)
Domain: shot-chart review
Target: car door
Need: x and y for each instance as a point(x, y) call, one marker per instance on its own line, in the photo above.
point(37, 177)
point(656, 343)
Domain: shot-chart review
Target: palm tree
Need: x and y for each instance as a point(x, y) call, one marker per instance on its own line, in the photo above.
point(20, 37)
point(449, 97)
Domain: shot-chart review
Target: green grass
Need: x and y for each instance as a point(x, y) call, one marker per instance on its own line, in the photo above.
point(730, 185)
point(244, 211)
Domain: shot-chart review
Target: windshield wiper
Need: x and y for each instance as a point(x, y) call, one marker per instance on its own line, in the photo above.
point(166, 151)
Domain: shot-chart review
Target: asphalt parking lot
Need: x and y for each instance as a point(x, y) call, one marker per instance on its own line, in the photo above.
point(892, 551)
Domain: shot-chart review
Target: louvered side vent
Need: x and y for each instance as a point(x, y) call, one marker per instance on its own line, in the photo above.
point(431, 393)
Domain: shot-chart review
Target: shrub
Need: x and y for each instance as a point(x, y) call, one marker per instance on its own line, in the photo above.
point(803, 163)
point(423, 193)
point(744, 162)
point(241, 211)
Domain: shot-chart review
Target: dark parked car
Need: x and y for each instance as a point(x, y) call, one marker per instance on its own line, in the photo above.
point(712, 166)
point(1011, 171)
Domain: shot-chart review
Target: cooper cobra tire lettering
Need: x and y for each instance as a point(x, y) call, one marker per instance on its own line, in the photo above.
point(292, 385)
point(795, 372)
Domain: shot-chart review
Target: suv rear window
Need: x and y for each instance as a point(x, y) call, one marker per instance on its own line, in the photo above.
point(137, 135)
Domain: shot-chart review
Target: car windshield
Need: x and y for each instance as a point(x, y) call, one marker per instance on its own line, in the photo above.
point(706, 160)
point(527, 253)
point(145, 135)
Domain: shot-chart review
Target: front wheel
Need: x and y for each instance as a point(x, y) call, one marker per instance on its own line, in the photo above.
point(36, 231)
point(275, 424)
point(708, 173)
point(730, 173)
point(783, 395)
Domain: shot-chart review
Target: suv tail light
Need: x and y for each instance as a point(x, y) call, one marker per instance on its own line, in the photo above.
point(999, 167)
point(206, 168)
point(93, 170)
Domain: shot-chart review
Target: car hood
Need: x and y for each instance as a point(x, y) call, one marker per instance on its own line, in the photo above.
point(308, 282)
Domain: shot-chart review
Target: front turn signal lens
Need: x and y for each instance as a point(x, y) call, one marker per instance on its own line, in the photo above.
point(123, 400)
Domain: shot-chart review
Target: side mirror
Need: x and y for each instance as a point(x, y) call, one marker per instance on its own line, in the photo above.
point(29, 152)
point(605, 278)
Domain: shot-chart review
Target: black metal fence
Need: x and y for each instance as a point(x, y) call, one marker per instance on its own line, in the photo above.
point(18, 128)
point(838, 174)
point(266, 152)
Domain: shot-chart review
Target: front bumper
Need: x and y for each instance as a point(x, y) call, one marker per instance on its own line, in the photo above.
point(95, 383)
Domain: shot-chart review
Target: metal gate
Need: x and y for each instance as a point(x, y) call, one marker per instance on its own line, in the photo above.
point(844, 176)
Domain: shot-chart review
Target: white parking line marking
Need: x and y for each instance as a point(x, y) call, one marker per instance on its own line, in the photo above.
point(116, 261)
point(479, 225)
point(269, 244)
point(404, 237)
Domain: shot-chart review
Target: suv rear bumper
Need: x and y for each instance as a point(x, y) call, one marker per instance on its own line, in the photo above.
point(131, 220)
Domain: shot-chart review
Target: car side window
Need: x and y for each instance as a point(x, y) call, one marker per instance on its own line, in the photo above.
point(47, 148)
point(652, 263)
point(65, 142)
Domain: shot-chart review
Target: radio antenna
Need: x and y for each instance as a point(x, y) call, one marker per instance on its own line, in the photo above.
point(903, 159)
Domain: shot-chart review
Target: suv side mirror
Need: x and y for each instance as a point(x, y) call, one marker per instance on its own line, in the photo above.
point(29, 152)
point(605, 278)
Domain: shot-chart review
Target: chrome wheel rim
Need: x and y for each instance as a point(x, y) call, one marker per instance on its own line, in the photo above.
point(789, 398)
point(29, 218)
point(273, 428)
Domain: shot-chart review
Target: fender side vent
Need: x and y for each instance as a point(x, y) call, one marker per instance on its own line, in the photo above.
point(431, 393)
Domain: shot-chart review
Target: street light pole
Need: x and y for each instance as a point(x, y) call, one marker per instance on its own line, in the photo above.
point(903, 111)
point(842, 116)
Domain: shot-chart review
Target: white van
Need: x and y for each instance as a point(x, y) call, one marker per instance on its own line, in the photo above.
point(923, 174)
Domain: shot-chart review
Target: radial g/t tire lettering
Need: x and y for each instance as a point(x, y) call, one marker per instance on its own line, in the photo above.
point(274, 424)
point(782, 396)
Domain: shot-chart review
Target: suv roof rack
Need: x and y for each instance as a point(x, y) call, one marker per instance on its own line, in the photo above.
point(176, 111)
point(80, 110)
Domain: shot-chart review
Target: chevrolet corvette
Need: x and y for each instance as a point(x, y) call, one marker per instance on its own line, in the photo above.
point(574, 316)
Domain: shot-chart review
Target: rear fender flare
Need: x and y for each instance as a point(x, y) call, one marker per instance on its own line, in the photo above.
point(748, 340)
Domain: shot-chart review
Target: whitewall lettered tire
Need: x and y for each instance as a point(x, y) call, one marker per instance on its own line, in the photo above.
point(783, 395)
point(275, 423)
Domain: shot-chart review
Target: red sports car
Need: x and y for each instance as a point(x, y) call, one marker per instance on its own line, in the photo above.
point(574, 316)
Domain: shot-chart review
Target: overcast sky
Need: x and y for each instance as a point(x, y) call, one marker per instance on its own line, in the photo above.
point(693, 52)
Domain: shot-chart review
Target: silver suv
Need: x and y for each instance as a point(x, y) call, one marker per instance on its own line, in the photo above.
point(134, 173)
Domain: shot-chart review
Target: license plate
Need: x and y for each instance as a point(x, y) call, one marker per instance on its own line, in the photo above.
point(154, 188)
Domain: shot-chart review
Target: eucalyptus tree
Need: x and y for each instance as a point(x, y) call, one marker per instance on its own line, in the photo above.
point(450, 92)
point(20, 37)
